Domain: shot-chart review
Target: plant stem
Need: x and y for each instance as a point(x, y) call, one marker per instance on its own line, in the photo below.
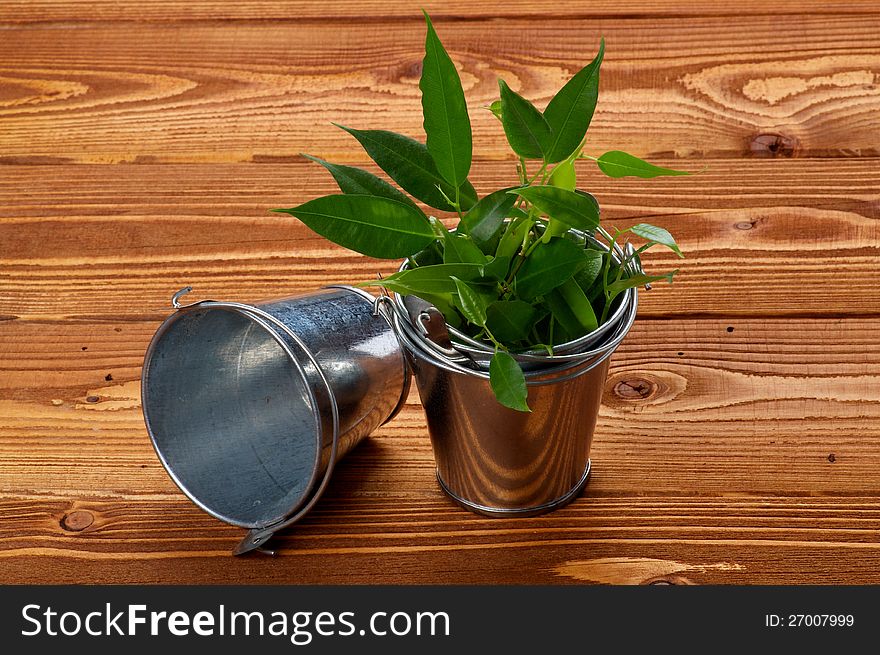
point(522, 256)
point(493, 339)
point(541, 171)
point(534, 245)
point(535, 335)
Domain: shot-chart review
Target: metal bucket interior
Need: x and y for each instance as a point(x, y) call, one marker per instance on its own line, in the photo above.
point(250, 406)
point(233, 416)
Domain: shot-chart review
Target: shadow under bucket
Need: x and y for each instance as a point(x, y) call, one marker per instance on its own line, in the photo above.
point(249, 407)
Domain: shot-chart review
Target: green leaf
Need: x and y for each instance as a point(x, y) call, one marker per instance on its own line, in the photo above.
point(571, 308)
point(571, 109)
point(513, 236)
point(485, 219)
point(564, 175)
point(637, 280)
point(564, 317)
point(371, 225)
point(471, 303)
point(357, 181)
point(497, 268)
point(435, 279)
point(447, 126)
point(459, 249)
point(510, 321)
point(588, 275)
point(495, 108)
point(617, 163)
point(547, 267)
point(409, 163)
point(526, 128)
point(508, 382)
point(579, 210)
point(658, 235)
point(431, 255)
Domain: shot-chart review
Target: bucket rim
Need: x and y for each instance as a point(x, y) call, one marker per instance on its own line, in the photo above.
point(257, 317)
point(572, 365)
point(467, 344)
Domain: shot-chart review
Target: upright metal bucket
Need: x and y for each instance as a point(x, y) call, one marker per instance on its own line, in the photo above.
point(249, 407)
point(500, 462)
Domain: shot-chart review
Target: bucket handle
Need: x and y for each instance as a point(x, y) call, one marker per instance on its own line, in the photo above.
point(175, 299)
point(404, 332)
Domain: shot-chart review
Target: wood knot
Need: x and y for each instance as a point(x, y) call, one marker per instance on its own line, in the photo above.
point(744, 225)
point(635, 389)
point(77, 520)
point(411, 70)
point(773, 145)
point(832, 458)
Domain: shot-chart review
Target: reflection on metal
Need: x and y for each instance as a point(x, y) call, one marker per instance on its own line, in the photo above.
point(494, 460)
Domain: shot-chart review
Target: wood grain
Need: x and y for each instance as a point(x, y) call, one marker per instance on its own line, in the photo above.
point(23, 11)
point(735, 540)
point(689, 87)
point(92, 240)
point(141, 144)
point(689, 408)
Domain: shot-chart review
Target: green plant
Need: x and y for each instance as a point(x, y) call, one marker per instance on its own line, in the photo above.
point(512, 273)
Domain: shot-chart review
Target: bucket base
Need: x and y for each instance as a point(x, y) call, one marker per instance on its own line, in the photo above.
point(503, 512)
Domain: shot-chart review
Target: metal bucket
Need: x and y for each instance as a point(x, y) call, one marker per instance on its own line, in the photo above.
point(497, 461)
point(249, 407)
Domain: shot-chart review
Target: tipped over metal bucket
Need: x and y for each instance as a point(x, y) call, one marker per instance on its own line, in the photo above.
point(249, 407)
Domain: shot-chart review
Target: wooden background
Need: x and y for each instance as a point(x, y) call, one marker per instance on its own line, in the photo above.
point(141, 144)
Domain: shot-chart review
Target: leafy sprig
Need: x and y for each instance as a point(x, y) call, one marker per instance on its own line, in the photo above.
point(516, 272)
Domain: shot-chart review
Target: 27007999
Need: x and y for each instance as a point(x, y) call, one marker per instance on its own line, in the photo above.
point(809, 620)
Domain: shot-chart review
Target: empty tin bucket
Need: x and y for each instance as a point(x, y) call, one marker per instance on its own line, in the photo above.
point(249, 407)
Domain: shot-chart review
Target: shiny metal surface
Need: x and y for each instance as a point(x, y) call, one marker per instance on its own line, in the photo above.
point(250, 406)
point(500, 462)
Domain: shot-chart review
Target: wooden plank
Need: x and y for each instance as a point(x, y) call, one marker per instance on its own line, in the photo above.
point(682, 540)
point(772, 407)
point(692, 87)
point(21, 11)
point(740, 430)
point(783, 237)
